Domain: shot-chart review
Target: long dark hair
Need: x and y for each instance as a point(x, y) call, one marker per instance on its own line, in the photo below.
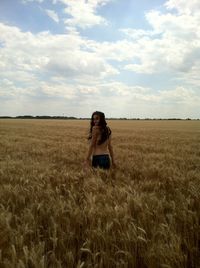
point(105, 130)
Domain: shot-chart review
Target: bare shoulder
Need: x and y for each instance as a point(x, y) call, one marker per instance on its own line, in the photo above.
point(109, 130)
point(95, 129)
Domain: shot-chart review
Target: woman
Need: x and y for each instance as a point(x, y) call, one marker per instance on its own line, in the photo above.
point(100, 143)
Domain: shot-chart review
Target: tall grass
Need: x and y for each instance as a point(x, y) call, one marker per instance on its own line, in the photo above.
point(145, 213)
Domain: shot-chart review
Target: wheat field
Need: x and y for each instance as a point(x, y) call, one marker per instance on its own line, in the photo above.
point(144, 213)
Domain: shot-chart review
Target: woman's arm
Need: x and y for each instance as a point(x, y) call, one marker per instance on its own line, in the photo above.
point(95, 132)
point(110, 148)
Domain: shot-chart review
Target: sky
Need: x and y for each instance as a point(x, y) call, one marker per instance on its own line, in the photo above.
point(126, 58)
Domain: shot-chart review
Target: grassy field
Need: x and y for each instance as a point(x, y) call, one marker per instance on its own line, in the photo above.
point(144, 213)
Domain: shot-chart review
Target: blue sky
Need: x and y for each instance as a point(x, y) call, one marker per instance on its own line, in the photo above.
point(126, 58)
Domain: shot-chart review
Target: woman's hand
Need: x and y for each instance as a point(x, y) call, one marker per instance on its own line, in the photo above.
point(114, 165)
point(86, 164)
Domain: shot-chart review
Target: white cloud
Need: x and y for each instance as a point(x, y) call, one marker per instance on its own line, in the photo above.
point(79, 63)
point(58, 90)
point(120, 50)
point(78, 70)
point(27, 1)
point(172, 46)
point(137, 101)
point(184, 6)
point(138, 33)
point(84, 13)
point(61, 55)
point(89, 90)
point(8, 89)
point(180, 95)
point(52, 14)
point(177, 95)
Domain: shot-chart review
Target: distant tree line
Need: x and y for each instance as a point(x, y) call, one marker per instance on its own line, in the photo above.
point(39, 117)
point(86, 118)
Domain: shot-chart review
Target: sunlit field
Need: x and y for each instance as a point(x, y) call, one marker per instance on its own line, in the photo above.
point(144, 213)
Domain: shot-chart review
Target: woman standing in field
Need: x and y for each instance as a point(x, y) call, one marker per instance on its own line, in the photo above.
point(100, 143)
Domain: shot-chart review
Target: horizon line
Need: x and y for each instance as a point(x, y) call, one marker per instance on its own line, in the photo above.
point(87, 118)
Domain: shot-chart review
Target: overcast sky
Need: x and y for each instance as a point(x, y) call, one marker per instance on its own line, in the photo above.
point(127, 58)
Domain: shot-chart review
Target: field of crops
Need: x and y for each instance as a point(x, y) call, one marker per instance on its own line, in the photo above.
point(144, 213)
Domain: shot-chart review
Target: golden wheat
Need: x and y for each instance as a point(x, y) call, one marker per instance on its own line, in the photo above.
point(53, 213)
